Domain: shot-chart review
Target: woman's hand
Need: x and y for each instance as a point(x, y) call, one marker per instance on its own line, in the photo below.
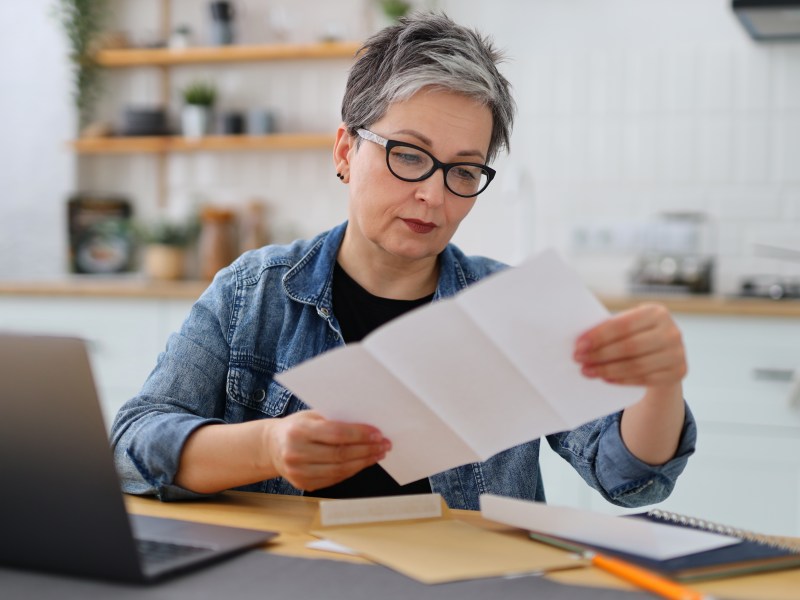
point(311, 452)
point(641, 346)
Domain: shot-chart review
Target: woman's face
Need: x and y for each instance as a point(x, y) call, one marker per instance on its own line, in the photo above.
point(409, 221)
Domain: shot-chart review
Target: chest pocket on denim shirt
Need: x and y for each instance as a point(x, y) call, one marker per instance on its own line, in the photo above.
point(255, 394)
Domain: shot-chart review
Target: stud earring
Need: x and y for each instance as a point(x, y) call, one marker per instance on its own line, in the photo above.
point(340, 176)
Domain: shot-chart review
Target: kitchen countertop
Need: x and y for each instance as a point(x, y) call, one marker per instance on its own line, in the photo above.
point(710, 305)
point(105, 287)
point(137, 287)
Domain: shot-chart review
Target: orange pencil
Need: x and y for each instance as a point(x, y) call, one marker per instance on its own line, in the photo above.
point(638, 576)
point(644, 579)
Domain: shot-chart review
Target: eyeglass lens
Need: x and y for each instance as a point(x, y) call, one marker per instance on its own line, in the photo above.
point(410, 163)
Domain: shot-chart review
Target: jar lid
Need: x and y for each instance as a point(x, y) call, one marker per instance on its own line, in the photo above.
point(216, 213)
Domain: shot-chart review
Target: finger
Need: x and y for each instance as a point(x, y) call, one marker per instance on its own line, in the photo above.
point(651, 367)
point(315, 476)
point(638, 345)
point(334, 470)
point(654, 379)
point(314, 427)
point(318, 458)
point(634, 368)
point(625, 324)
point(323, 454)
point(335, 433)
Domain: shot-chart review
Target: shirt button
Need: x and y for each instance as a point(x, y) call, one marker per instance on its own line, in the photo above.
point(259, 395)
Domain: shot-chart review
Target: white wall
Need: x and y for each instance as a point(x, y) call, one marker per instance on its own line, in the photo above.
point(36, 169)
point(630, 108)
point(626, 109)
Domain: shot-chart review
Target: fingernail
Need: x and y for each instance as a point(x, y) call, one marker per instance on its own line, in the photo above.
point(589, 371)
point(375, 437)
point(582, 347)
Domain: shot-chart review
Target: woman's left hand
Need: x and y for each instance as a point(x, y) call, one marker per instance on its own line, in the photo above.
point(641, 346)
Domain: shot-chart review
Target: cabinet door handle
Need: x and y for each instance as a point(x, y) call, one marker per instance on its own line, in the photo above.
point(772, 374)
point(794, 394)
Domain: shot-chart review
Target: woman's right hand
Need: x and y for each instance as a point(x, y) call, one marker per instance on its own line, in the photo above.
point(312, 452)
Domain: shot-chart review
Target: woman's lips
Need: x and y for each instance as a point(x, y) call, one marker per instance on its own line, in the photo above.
point(418, 226)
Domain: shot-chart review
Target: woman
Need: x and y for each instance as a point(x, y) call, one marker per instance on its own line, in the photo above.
point(425, 109)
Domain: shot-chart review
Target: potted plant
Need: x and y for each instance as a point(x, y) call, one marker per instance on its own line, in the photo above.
point(83, 22)
point(199, 98)
point(181, 37)
point(394, 9)
point(165, 246)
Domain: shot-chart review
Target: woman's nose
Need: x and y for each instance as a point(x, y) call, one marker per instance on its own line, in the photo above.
point(433, 189)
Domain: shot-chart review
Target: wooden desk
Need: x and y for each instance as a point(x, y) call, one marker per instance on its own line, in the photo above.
point(292, 516)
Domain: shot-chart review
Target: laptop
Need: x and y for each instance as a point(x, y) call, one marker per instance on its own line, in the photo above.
point(61, 506)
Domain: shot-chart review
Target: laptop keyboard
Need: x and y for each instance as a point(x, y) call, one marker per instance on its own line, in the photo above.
point(154, 552)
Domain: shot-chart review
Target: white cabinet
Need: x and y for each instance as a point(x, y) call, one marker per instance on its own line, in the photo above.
point(746, 471)
point(125, 335)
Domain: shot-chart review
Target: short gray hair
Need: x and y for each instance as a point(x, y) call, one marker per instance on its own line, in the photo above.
point(428, 50)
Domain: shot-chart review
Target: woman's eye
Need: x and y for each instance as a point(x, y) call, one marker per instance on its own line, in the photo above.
point(409, 158)
point(465, 173)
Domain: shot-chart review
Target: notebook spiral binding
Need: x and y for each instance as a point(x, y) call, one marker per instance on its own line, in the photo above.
point(785, 543)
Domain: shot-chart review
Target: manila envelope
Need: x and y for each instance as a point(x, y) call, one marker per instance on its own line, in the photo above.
point(418, 537)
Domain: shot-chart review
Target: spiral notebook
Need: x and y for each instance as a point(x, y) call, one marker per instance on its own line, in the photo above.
point(756, 552)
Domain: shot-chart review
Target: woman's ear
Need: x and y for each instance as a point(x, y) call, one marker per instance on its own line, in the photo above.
point(341, 153)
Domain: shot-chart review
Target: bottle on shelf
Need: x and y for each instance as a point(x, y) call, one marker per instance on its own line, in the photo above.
point(222, 15)
point(253, 230)
point(216, 246)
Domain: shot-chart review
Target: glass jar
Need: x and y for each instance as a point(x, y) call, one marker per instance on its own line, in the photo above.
point(216, 245)
point(253, 226)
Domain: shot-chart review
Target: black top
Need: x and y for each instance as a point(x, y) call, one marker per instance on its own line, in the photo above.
point(358, 313)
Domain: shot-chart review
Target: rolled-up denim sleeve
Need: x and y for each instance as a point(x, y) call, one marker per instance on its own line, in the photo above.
point(597, 452)
point(185, 391)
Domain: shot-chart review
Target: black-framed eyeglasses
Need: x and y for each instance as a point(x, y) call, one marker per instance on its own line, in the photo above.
point(408, 162)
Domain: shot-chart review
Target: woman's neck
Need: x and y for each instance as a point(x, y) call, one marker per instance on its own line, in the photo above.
point(388, 276)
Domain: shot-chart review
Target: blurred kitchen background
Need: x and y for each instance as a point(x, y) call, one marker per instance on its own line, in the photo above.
point(632, 115)
point(657, 147)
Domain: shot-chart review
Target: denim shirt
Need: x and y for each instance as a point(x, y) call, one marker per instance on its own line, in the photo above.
point(271, 310)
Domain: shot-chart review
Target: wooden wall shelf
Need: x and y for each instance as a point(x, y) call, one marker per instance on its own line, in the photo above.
point(139, 57)
point(134, 145)
point(165, 59)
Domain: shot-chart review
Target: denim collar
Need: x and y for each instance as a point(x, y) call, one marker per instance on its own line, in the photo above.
point(310, 280)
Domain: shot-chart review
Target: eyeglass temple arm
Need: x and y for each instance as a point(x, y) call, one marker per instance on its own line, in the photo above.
point(372, 137)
